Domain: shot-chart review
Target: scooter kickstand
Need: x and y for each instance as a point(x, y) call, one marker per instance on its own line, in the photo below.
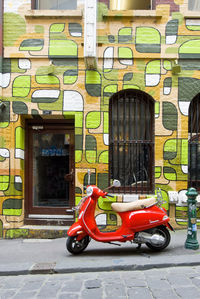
point(139, 246)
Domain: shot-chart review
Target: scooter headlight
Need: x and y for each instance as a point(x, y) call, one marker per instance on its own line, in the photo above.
point(89, 191)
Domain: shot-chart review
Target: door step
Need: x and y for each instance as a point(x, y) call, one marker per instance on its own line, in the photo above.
point(44, 231)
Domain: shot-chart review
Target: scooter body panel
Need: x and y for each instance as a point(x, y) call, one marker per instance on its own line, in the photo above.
point(87, 222)
point(74, 229)
point(139, 220)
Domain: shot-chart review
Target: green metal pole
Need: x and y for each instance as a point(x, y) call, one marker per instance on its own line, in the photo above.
point(191, 242)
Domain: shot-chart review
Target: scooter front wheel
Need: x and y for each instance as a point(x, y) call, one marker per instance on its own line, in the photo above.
point(162, 231)
point(75, 246)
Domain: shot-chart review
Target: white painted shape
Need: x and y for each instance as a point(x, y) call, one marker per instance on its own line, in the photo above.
point(108, 58)
point(126, 61)
point(167, 90)
point(76, 34)
point(109, 52)
point(46, 93)
point(184, 169)
point(173, 196)
point(101, 219)
point(72, 101)
point(108, 63)
point(130, 198)
point(106, 139)
point(13, 5)
point(152, 79)
point(4, 79)
point(4, 152)
point(19, 153)
point(171, 39)
point(184, 107)
point(18, 179)
point(24, 64)
point(192, 22)
point(182, 197)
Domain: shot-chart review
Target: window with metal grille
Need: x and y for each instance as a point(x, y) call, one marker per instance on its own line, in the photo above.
point(194, 144)
point(131, 139)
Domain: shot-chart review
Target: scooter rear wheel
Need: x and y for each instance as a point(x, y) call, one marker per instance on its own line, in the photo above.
point(163, 231)
point(75, 246)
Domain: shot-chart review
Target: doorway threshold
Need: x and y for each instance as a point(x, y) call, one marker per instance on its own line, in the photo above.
point(44, 231)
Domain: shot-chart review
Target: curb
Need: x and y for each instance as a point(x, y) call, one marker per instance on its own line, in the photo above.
point(46, 268)
point(125, 268)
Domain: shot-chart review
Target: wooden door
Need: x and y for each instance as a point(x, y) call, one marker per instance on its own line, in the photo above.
point(49, 172)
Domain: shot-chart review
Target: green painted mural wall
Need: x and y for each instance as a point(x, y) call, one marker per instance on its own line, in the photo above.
point(135, 51)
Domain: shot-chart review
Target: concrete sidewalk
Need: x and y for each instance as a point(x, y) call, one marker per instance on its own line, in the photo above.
point(33, 256)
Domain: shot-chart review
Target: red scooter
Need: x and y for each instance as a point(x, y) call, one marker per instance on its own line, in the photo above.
point(142, 222)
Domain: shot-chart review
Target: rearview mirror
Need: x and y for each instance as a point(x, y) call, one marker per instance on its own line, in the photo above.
point(116, 183)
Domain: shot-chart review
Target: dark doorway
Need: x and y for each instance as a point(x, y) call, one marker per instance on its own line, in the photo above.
point(49, 172)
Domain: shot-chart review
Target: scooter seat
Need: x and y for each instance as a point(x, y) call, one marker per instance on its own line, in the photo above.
point(134, 205)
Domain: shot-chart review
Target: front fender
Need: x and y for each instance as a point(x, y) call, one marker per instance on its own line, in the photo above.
point(75, 229)
point(170, 227)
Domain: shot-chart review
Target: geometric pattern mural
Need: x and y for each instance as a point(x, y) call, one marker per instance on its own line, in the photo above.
point(43, 67)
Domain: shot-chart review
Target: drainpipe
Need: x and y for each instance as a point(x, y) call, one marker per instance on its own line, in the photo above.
point(1, 61)
point(90, 34)
point(1, 46)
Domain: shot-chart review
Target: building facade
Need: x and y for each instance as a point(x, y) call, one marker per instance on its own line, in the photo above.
point(111, 86)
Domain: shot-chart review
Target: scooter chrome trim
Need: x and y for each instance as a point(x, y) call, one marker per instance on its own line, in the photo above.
point(150, 221)
point(154, 239)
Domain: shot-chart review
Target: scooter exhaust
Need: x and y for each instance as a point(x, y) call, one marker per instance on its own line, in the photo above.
point(154, 239)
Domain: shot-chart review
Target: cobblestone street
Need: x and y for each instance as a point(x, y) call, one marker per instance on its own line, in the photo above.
point(177, 282)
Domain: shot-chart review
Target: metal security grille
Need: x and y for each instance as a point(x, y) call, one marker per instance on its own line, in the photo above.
point(131, 151)
point(194, 143)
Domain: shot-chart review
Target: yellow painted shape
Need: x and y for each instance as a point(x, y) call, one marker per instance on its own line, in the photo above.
point(179, 2)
